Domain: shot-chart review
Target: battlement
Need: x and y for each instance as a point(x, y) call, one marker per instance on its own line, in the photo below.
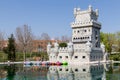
point(86, 23)
point(60, 50)
point(63, 50)
point(85, 17)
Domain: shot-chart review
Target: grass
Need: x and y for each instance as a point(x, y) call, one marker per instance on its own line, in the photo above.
point(20, 56)
point(3, 57)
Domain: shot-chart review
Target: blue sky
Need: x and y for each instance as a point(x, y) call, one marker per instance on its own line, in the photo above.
point(54, 16)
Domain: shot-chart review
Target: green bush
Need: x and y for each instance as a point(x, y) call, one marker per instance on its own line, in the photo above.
point(115, 57)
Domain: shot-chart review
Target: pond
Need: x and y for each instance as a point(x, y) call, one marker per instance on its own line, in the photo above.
point(69, 72)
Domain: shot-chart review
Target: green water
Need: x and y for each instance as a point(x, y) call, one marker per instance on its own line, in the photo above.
point(70, 72)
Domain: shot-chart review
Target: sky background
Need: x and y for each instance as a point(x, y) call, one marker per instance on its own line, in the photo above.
point(54, 16)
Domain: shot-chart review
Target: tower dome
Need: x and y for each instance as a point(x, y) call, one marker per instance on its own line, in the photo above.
point(88, 44)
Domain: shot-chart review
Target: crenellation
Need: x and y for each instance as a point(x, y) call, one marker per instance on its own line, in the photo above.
point(63, 50)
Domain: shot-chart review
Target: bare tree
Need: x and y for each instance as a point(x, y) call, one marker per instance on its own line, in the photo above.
point(24, 38)
point(56, 38)
point(1, 40)
point(45, 36)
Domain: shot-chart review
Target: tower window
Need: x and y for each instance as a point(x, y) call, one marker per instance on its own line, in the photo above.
point(66, 56)
point(85, 30)
point(60, 69)
point(89, 30)
point(60, 56)
point(76, 56)
point(76, 70)
point(78, 31)
point(83, 57)
point(84, 69)
point(66, 69)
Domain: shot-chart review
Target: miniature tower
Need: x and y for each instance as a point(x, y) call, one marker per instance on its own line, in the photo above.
point(86, 28)
point(85, 46)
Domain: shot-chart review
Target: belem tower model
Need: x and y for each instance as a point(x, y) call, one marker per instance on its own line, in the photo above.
point(85, 46)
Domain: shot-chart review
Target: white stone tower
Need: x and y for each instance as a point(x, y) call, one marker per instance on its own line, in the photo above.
point(85, 29)
point(85, 46)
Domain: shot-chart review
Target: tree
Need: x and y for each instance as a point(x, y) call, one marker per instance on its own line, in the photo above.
point(1, 40)
point(65, 38)
point(117, 36)
point(11, 49)
point(111, 41)
point(45, 36)
point(108, 39)
point(63, 44)
point(24, 38)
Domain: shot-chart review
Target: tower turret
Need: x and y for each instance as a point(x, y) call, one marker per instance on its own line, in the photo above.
point(56, 46)
point(70, 48)
point(48, 48)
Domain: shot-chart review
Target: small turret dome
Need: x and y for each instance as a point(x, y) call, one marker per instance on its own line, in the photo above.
point(88, 44)
point(49, 45)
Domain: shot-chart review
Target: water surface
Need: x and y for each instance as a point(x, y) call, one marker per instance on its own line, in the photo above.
point(78, 72)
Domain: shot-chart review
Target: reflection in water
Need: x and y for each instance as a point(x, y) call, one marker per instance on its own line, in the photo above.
point(32, 73)
point(70, 72)
point(7, 72)
point(10, 71)
point(83, 72)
